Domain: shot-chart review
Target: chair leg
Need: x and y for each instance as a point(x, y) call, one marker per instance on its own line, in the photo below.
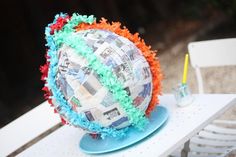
point(185, 150)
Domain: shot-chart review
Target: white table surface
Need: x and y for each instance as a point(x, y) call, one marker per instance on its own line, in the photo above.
point(182, 124)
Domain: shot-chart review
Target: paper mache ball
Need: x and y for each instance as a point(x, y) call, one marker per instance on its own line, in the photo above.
point(98, 76)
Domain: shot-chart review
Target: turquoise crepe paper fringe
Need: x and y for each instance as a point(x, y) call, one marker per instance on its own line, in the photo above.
point(67, 36)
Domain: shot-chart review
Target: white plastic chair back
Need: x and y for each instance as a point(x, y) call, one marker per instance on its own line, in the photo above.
point(221, 52)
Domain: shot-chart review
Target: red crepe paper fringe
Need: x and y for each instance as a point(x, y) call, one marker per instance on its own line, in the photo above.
point(60, 22)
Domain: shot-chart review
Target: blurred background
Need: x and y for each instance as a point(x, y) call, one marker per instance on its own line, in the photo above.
point(166, 25)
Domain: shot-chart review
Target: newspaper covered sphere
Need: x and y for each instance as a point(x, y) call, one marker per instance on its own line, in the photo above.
point(81, 85)
point(98, 76)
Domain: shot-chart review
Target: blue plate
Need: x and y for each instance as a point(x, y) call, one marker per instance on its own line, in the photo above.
point(109, 144)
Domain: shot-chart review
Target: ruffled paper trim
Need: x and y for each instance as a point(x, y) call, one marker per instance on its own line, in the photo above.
point(149, 54)
point(67, 36)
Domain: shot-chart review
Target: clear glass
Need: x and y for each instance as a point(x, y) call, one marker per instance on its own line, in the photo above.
point(183, 95)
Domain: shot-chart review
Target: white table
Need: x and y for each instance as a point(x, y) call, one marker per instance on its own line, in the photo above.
point(182, 124)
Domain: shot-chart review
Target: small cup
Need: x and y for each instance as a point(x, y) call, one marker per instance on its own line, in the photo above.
point(182, 95)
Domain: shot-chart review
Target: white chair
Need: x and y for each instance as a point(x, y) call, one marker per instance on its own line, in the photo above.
point(211, 53)
point(217, 139)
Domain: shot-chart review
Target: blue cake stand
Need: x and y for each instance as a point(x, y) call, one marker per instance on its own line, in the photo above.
point(97, 146)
